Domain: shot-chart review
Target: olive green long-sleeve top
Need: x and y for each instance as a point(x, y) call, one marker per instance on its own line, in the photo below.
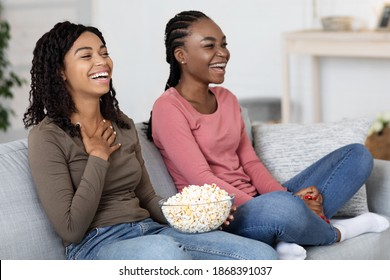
point(80, 192)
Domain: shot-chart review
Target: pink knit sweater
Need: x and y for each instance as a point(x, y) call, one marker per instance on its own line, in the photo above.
point(209, 148)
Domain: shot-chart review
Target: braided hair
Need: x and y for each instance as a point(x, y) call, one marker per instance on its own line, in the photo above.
point(48, 94)
point(176, 30)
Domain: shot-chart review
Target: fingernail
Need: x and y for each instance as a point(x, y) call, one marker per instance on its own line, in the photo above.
point(325, 219)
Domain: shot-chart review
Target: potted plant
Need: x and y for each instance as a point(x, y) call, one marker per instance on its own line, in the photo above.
point(378, 140)
point(8, 79)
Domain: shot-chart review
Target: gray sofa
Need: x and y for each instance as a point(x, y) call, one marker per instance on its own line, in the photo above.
point(25, 232)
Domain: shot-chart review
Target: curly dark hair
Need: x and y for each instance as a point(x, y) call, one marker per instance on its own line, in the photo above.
point(48, 94)
point(176, 30)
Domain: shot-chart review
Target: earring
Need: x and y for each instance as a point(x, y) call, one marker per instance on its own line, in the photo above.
point(182, 62)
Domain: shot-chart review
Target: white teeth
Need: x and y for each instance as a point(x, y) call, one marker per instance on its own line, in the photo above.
point(98, 75)
point(219, 65)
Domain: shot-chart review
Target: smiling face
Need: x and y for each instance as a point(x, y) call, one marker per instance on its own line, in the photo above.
point(204, 55)
point(87, 67)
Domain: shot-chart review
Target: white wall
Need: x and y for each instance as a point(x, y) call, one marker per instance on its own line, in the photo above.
point(134, 31)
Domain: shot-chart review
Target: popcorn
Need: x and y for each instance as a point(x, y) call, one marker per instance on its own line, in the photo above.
point(197, 208)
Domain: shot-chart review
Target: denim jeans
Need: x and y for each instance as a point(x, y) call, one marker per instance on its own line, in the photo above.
point(146, 240)
point(281, 216)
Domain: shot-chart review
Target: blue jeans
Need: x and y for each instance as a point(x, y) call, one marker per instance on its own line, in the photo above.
point(281, 216)
point(146, 240)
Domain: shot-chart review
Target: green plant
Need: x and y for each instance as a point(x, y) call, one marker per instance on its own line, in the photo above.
point(380, 123)
point(8, 79)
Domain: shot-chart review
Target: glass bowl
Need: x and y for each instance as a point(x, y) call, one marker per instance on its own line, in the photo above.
point(197, 217)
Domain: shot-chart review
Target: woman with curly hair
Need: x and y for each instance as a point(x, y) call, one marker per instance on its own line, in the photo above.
point(87, 165)
point(208, 144)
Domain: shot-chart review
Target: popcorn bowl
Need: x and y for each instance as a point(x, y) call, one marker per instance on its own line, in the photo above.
point(197, 217)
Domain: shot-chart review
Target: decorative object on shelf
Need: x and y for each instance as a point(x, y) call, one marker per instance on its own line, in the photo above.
point(378, 140)
point(8, 79)
point(384, 19)
point(337, 23)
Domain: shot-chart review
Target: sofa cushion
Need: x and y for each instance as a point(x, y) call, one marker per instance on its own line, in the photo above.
point(287, 149)
point(247, 122)
point(368, 246)
point(378, 188)
point(159, 176)
point(25, 232)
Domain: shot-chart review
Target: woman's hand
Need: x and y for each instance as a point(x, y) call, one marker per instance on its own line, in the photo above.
point(313, 199)
point(230, 218)
point(101, 143)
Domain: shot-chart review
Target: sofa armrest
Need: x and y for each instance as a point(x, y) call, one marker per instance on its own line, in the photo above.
point(378, 188)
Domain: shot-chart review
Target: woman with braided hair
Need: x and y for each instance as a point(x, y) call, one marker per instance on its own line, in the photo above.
point(87, 166)
point(201, 136)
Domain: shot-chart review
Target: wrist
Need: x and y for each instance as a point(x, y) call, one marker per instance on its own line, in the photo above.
point(99, 154)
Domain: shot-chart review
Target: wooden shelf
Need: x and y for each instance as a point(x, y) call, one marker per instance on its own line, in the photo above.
point(318, 43)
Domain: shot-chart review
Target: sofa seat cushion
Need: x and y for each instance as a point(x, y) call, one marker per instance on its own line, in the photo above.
point(368, 246)
point(25, 232)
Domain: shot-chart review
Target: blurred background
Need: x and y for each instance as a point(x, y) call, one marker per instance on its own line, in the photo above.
point(134, 31)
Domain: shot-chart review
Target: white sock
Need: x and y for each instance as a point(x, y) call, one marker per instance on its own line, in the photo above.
point(367, 222)
point(290, 251)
